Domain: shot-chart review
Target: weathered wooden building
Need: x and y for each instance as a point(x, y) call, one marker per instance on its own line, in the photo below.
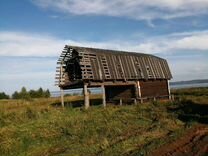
point(121, 75)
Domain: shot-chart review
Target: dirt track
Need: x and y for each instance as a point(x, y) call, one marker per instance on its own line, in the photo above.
point(193, 143)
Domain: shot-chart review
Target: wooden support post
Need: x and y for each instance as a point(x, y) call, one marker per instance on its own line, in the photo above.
point(103, 95)
point(136, 91)
point(139, 89)
point(135, 101)
point(62, 97)
point(139, 92)
point(120, 101)
point(168, 89)
point(172, 97)
point(86, 97)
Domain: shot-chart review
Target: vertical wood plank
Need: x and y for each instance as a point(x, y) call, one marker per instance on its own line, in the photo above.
point(86, 97)
point(139, 89)
point(168, 84)
point(120, 102)
point(103, 95)
point(136, 90)
point(62, 97)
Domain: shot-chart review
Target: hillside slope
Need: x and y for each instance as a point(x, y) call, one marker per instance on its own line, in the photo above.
point(38, 128)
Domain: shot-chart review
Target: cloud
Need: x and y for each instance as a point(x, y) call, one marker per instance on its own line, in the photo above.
point(184, 41)
point(33, 72)
point(188, 67)
point(197, 42)
point(135, 9)
point(30, 44)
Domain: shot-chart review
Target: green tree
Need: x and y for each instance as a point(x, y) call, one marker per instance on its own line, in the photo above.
point(24, 94)
point(15, 95)
point(33, 94)
point(47, 93)
point(40, 92)
point(4, 95)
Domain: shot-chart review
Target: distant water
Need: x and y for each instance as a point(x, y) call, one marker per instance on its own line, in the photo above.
point(75, 92)
point(192, 85)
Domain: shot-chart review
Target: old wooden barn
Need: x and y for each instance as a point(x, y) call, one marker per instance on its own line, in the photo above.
point(121, 75)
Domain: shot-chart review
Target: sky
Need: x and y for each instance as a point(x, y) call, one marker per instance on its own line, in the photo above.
point(34, 32)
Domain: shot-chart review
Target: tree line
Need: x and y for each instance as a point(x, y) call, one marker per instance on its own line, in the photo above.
point(24, 94)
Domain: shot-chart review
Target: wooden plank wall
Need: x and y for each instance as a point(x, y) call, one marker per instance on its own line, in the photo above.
point(154, 88)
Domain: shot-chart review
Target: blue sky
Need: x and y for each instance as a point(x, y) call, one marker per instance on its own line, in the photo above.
point(34, 32)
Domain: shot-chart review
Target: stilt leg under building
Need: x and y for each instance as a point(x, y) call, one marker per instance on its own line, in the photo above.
point(62, 97)
point(168, 89)
point(139, 92)
point(120, 102)
point(136, 93)
point(86, 97)
point(103, 95)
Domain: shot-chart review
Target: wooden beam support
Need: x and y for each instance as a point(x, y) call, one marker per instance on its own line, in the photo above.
point(86, 97)
point(103, 95)
point(168, 89)
point(120, 102)
point(135, 101)
point(136, 90)
point(62, 97)
point(111, 83)
point(139, 89)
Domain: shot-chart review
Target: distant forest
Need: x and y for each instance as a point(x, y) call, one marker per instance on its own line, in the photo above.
point(24, 94)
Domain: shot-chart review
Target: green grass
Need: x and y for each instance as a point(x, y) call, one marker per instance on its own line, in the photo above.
point(198, 95)
point(192, 104)
point(39, 127)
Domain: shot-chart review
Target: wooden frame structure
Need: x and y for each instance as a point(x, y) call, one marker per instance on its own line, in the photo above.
point(121, 75)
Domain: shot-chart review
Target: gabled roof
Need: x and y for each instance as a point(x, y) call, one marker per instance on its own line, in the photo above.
point(110, 65)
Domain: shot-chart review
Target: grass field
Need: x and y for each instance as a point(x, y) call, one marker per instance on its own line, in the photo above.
point(41, 127)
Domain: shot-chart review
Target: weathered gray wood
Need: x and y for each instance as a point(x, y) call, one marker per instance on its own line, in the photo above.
point(136, 90)
point(169, 94)
point(103, 95)
point(62, 97)
point(139, 89)
point(120, 102)
point(86, 97)
point(100, 67)
point(135, 101)
point(110, 83)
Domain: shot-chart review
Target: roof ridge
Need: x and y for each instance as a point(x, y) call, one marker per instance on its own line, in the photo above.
point(112, 51)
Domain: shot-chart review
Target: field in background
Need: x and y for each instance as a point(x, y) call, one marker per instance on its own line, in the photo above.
point(42, 127)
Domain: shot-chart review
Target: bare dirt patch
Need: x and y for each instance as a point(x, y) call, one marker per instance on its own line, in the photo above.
point(193, 143)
